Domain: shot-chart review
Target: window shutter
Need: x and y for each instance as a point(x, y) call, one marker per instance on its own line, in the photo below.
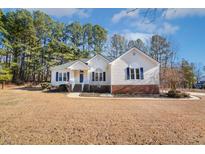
point(128, 73)
point(56, 76)
point(93, 76)
point(68, 76)
point(104, 76)
point(141, 73)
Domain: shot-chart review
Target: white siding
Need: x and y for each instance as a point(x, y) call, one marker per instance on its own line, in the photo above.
point(53, 77)
point(134, 59)
point(115, 71)
point(74, 77)
point(99, 62)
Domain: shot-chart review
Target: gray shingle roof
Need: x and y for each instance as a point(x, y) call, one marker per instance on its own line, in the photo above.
point(64, 65)
point(84, 59)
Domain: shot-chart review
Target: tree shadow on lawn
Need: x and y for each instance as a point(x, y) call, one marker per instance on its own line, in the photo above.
point(29, 88)
point(39, 89)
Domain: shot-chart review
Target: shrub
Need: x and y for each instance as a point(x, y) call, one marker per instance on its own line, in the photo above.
point(172, 93)
point(63, 88)
point(19, 82)
point(45, 85)
point(177, 94)
point(185, 95)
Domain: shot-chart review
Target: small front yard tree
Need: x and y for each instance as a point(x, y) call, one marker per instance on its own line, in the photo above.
point(5, 75)
point(171, 77)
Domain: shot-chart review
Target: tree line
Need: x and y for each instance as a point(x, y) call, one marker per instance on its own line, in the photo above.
point(32, 42)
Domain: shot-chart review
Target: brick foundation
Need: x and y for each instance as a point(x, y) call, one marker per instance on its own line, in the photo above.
point(135, 89)
point(77, 88)
point(100, 89)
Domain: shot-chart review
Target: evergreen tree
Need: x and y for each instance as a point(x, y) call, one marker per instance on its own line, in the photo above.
point(99, 38)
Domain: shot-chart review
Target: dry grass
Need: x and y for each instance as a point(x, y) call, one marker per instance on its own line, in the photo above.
point(34, 117)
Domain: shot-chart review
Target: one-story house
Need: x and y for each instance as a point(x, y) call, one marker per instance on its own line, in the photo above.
point(133, 72)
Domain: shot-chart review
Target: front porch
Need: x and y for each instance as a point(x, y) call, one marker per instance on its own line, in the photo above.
point(79, 77)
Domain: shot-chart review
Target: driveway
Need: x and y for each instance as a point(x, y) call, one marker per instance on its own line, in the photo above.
point(196, 93)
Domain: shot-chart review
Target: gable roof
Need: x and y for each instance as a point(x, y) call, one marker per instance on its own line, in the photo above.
point(108, 60)
point(63, 66)
point(84, 59)
point(138, 50)
point(83, 65)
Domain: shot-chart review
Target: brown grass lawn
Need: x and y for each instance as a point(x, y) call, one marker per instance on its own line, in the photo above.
point(34, 117)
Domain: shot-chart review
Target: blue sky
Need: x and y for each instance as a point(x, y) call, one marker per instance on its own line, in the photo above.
point(185, 28)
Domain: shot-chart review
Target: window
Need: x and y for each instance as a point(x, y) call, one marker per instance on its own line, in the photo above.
point(56, 76)
point(132, 72)
point(64, 76)
point(93, 76)
point(137, 73)
point(96, 76)
point(104, 76)
point(101, 76)
point(60, 76)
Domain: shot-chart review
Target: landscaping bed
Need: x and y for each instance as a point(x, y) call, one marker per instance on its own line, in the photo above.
point(170, 94)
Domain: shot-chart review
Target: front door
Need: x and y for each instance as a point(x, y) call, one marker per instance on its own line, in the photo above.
point(81, 76)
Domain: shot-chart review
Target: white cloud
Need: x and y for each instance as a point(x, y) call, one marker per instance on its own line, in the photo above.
point(179, 13)
point(145, 37)
point(143, 24)
point(167, 28)
point(63, 12)
point(123, 14)
point(155, 28)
